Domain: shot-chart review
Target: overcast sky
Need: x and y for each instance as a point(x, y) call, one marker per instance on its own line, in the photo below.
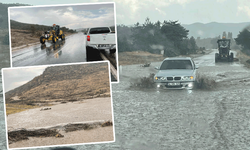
point(186, 11)
point(70, 16)
point(15, 77)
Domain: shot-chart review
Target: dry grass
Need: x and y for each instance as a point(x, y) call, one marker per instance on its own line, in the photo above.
point(25, 37)
point(138, 57)
point(15, 108)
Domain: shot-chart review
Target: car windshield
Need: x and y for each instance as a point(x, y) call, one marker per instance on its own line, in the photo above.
point(176, 64)
point(99, 30)
point(223, 43)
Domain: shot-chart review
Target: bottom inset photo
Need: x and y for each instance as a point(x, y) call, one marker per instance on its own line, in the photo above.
point(58, 105)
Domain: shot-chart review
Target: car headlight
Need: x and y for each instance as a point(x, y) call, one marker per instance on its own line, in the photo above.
point(188, 78)
point(160, 78)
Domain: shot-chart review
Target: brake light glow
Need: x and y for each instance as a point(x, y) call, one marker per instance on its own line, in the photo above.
point(88, 37)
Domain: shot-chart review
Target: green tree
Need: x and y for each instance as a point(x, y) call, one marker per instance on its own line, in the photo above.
point(193, 46)
point(174, 32)
point(243, 39)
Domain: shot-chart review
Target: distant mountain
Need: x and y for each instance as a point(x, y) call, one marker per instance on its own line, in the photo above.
point(214, 29)
point(82, 80)
point(4, 13)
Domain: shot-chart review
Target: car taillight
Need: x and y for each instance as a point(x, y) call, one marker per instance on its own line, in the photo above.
point(88, 38)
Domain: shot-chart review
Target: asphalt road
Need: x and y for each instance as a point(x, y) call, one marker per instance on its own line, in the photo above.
point(72, 50)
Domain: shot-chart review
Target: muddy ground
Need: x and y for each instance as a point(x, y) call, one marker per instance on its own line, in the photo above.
point(143, 57)
point(69, 118)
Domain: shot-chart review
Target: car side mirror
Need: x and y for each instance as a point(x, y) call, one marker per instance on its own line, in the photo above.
point(157, 68)
point(85, 33)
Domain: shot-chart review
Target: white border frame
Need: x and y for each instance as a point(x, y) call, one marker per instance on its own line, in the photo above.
point(117, 62)
point(111, 96)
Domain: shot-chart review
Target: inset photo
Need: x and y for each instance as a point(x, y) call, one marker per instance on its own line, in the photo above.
point(58, 105)
point(57, 34)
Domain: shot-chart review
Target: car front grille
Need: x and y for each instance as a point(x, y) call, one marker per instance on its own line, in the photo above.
point(173, 78)
point(169, 78)
point(177, 78)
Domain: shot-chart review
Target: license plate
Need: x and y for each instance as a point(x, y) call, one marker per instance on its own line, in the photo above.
point(103, 45)
point(174, 84)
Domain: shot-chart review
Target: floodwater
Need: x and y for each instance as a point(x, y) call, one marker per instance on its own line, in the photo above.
point(181, 119)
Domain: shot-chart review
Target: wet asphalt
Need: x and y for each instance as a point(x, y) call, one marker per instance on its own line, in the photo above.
point(215, 119)
point(72, 50)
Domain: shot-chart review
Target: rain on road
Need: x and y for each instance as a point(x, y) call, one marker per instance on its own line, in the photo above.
point(72, 50)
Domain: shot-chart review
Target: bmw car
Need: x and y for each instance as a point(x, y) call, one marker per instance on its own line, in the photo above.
point(176, 73)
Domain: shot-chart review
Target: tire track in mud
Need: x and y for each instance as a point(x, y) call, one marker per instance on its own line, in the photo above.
point(216, 125)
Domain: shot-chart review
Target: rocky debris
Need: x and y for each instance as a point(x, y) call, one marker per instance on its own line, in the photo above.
point(45, 109)
point(59, 135)
point(145, 65)
point(23, 134)
point(107, 123)
point(85, 126)
point(221, 75)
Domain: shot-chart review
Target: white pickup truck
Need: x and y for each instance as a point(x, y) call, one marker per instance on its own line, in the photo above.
point(99, 38)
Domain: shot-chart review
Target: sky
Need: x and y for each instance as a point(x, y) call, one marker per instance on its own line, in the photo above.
point(186, 11)
point(70, 16)
point(15, 77)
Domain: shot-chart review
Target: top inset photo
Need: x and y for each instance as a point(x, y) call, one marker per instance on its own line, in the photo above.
point(57, 34)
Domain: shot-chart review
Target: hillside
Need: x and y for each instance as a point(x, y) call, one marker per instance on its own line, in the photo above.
point(26, 26)
point(68, 82)
point(214, 29)
point(4, 13)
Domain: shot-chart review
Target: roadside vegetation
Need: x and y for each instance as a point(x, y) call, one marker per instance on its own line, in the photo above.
point(167, 36)
point(243, 39)
point(24, 34)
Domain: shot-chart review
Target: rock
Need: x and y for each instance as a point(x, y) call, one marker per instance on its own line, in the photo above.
point(45, 109)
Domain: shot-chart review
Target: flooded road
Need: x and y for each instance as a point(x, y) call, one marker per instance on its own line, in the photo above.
point(182, 119)
point(71, 50)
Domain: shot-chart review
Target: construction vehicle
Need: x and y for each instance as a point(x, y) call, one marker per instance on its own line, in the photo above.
point(224, 50)
point(53, 35)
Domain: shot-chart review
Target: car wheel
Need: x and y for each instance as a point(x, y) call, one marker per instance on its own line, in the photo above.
point(62, 37)
point(54, 39)
point(112, 51)
point(232, 57)
point(216, 57)
point(89, 54)
point(42, 39)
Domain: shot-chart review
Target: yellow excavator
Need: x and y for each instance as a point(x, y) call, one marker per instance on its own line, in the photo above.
point(53, 35)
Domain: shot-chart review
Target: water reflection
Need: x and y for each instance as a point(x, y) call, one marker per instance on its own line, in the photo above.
point(54, 49)
point(55, 46)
